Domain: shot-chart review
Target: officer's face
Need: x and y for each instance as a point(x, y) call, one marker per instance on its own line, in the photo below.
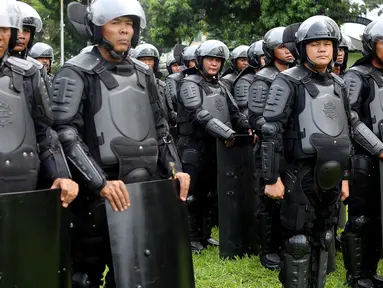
point(148, 61)
point(262, 59)
point(212, 65)
point(119, 32)
point(191, 64)
point(379, 50)
point(23, 38)
point(46, 62)
point(340, 57)
point(241, 63)
point(320, 52)
point(5, 36)
point(175, 68)
point(283, 54)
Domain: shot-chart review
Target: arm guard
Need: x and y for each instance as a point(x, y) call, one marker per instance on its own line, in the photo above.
point(270, 153)
point(53, 163)
point(77, 154)
point(258, 92)
point(214, 126)
point(365, 137)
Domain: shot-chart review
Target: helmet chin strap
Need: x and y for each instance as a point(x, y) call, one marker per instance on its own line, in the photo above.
point(110, 48)
point(283, 62)
point(314, 67)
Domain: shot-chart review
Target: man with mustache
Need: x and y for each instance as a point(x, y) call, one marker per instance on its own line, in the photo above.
point(305, 152)
point(110, 120)
point(206, 111)
point(277, 59)
point(29, 147)
point(43, 53)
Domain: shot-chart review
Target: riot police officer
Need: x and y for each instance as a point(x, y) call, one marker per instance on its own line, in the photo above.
point(238, 61)
point(43, 53)
point(172, 65)
point(243, 81)
point(107, 111)
point(188, 56)
point(29, 147)
point(206, 111)
point(149, 55)
point(277, 59)
point(304, 167)
point(361, 238)
point(340, 64)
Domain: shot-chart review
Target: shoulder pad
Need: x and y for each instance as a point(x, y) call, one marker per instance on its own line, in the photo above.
point(338, 79)
point(21, 66)
point(85, 61)
point(258, 93)
point(230, 77)
point(141, 66)
point(176, 76)
point(296, 74)
point(363, 69)
point(36, 63)
point(241, 91)
point(247, 73)
point(161, 83)
point(194, 78)
point(67, 92)
point(268, 73)
point(354, 84)
point(277, 100)
point(190, 94)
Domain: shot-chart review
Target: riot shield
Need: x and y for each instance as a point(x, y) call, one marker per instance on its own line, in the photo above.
point(34, 244)
point(236, 198)
point(150, 241)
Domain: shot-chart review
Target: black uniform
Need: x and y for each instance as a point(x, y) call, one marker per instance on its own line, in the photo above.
point(206, 111)
point(106, 115)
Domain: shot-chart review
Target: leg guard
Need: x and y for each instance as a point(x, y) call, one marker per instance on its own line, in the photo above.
point(296, 264)
point(208, 211)
point(354, 250)
point(319, 260)
point(194, 221)
point(331, 255)
point(268, 256)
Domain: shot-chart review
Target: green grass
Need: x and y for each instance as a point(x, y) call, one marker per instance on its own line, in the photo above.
point(212, 272)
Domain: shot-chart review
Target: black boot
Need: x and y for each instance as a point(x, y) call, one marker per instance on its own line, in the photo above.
point(194, 221)
point(207, 224)
point(269, 257)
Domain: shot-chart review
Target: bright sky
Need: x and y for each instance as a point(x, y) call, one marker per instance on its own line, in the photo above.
point(356, 30)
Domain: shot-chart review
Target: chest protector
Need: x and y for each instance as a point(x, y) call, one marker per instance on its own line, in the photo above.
point(19, 161)
point(323, 127)
point(124, 124)
point(214, 100)
point(376, 96)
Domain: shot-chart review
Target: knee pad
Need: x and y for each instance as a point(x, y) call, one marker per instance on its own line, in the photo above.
point(358, 225)
point(326, 239)
point(298, 246)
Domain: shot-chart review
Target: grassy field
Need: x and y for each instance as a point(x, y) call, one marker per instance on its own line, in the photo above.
point(212, 272)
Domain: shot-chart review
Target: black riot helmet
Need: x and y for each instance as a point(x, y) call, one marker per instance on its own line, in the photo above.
point(273, 39)
point(32, 20)
point(238, 52)
point(211, 48)
point(372, 34)
point(317, 28)
point(289, 38)
point(346, 44)
point(147, 50)
point(100, 12)
point(10, 17)
point(254, 54)
point(188, 54)
point(171, 61)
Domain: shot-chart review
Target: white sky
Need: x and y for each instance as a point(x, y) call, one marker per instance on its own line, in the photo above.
point(356, 30)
